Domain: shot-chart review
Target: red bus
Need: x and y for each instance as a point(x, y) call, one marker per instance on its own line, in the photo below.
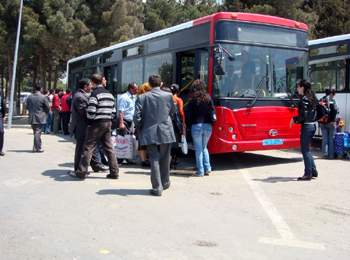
point(250, 62)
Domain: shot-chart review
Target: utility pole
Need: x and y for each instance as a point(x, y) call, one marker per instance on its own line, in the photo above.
point(13, 81)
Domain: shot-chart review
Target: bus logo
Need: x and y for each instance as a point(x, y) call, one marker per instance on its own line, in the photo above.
point(273, 132)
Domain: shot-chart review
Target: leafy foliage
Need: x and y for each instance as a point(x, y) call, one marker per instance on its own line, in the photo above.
point(54, 31)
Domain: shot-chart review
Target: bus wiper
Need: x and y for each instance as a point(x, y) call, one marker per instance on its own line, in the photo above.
point(221, 49)
point(252, 103)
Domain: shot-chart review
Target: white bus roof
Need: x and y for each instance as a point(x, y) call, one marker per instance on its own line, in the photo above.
point(136, 40)
point(330, 39)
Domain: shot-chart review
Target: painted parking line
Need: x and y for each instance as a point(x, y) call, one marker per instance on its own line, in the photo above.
point(287, 237)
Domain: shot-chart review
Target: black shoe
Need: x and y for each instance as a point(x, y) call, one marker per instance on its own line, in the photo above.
point(145, 164)
point(2, 154)
point(166, 186)
point(100, 168)
point(314, 173)
point(304, 178)
point(155, 193)
point(112, 176)
point(76, 174)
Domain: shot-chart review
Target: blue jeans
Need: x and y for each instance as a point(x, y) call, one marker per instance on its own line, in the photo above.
point(307, 132)
point(48, 126)
point(328, 131)
point(200, 135)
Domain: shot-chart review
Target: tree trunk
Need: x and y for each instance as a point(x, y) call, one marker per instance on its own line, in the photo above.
point(2, 78)
point(56, 77)
point(9, 79)
point(49, 76)
point(35, 75)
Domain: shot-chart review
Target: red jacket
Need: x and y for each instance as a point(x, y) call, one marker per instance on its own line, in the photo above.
point(64, 103)
point(55, 103)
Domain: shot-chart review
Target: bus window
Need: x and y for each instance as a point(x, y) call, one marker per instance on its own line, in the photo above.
point(110, 74)
point(185, 72)
point(132, 71)
point(328, 75)
point(162, 65)
point(203, 65)
point(262, 71)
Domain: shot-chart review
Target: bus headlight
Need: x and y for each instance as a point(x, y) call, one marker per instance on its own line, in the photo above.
point(234, 136)
point(234, 147)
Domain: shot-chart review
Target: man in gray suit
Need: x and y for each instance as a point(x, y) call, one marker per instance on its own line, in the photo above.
point(38, 107)
point(152, 118)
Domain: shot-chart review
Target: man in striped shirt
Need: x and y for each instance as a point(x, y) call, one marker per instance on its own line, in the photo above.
point(100, 112)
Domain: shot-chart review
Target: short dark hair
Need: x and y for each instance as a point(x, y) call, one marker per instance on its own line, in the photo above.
point(67, 91)
point(83, 82)
point(51, 91)
point(174, 88)
point(96, 78)
point(37, 88)
point(131, 85)
point(154, 81)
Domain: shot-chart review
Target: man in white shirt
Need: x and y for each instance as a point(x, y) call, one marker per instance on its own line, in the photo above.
point(126, 107)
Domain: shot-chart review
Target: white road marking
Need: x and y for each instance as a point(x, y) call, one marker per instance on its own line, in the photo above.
point(287, 236)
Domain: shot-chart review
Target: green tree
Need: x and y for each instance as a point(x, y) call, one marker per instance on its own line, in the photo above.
point(160, 14)
point(333, 17)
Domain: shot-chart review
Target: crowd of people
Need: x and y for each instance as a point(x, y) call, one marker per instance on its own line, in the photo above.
point(155, 114)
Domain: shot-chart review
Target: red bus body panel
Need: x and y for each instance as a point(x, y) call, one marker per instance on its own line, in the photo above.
point(253, 18)
point(250, 126)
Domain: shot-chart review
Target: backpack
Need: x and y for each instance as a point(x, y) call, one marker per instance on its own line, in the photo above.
point(322, 111)
point(176, 120)
point(326, 111)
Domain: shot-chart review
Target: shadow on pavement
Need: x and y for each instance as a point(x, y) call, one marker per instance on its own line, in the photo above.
point(175, 173)
point(124, 192)
point(276, 179)
point(247, 160)
point(63, 175)
point(20, 151)
point(60, 175)
point(67, 165)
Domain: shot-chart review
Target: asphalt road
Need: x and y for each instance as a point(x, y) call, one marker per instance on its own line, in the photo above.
point(251, 207)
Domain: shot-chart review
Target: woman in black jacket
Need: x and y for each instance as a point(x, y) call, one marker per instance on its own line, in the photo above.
point(307, 118)
point(201, 115)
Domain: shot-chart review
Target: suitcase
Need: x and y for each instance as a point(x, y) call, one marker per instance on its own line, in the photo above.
point(339, 140)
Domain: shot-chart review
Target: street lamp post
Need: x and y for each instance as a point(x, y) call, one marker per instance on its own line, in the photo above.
point(12, 92)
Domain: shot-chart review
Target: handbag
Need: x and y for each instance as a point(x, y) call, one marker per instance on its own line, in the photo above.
point(184, 146)
point(212, 112)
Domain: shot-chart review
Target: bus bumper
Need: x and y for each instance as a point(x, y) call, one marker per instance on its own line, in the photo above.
point(224, 146)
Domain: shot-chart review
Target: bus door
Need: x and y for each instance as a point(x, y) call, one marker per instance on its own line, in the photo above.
point(111, 73)
point(191, 65)
point(185, 72)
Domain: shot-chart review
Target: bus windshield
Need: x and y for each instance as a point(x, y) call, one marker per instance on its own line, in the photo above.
point(260, 71)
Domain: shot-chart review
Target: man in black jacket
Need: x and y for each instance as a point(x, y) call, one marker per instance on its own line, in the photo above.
point(79, 123)
point(100, 112)
point(2, 115)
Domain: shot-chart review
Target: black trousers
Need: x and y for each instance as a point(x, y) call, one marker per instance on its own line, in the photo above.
point(80, 136)
point(37, 137)
point(1, 133)
point(99, 131)
point(65, 116)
